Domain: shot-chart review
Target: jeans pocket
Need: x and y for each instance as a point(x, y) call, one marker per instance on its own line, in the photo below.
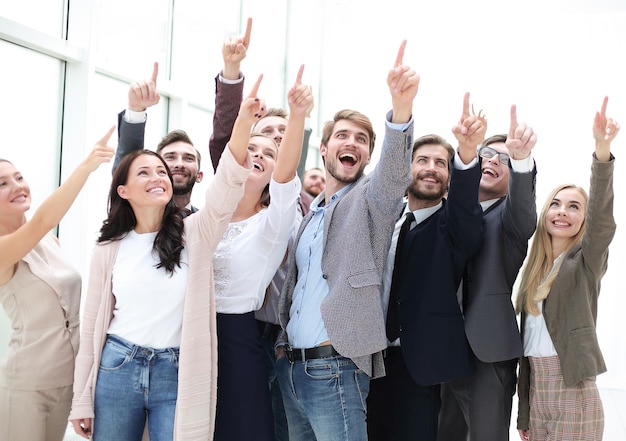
point(114, 357)
point(321, 369)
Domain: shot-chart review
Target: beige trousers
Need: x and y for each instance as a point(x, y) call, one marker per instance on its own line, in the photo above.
point(34, 415)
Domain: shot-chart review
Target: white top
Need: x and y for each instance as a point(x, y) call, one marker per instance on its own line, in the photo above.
point(148, 301)
point(537, 340)
point(251, 251)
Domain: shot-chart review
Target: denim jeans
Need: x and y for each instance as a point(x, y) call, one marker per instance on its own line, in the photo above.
point(135, 383)
point(324, 399)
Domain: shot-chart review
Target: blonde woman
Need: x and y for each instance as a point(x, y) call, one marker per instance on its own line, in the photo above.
point(558, 397)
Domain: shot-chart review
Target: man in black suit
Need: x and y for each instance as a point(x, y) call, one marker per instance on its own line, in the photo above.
point(480, 405)
point(425, 265)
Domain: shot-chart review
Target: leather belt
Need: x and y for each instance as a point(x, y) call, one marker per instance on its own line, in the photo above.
point(297, 354)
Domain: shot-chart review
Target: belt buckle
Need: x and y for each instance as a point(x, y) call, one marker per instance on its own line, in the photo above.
point(289, 354)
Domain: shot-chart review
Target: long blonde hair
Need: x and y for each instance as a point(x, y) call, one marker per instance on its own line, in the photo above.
point(540, 271)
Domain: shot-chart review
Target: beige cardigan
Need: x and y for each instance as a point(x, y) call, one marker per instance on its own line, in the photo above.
point(197, 374)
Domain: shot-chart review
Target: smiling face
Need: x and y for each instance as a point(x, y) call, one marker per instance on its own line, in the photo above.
point(263, 152)
point(346, 152)
point(14, 191)
point(431, 176)
point(313, 181)
point(147, 183)
point(565, 214)
point(182, 160)
point(494, 182)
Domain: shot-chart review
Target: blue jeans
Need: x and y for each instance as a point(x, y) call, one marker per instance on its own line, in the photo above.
point(135, 383)
point(324, 399)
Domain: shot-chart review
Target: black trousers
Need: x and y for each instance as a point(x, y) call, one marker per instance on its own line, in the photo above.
point(244, 407)
point(478, 407)
point(398, 409)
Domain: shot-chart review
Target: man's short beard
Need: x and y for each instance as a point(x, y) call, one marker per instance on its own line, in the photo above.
point(183, 190)
point(426, 196)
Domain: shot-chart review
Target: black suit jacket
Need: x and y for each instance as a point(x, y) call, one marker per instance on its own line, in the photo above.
point(434, 256)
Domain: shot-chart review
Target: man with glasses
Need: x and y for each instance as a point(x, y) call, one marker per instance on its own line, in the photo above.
point(480, 404)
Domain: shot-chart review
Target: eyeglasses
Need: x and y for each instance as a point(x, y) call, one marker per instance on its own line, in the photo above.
point(488, 153)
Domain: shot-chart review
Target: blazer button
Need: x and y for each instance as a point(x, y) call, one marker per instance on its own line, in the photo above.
point(67, 324)
point(324, 276)
point(401, 328)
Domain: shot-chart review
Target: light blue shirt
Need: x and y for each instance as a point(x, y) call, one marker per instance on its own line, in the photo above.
point(306, 326)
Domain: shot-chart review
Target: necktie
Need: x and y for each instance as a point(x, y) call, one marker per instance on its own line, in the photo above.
point(392, 327)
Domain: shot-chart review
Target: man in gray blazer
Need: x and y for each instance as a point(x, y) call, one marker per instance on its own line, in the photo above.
point(480, 405)
point(330, 306)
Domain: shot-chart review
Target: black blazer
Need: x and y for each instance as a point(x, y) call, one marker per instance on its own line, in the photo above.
point(434, 256)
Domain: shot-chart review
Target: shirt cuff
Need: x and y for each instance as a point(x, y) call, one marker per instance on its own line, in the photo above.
point(525, 165)
point(460, 165)
point(227, 81)
point(132, 117)
point(398, 126)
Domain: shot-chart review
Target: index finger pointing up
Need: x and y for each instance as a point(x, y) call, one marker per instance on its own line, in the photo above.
point(246, 37)
point(255, 88)
point(605, 102)
point(155, 72)
point(400, 55)
point(299, 76)
point(513, 121)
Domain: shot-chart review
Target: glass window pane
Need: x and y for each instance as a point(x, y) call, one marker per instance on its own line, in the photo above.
point(132, 35)
point(197, 46)
point(49, 16)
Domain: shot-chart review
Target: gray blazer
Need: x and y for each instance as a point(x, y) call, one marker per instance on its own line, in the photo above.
point(490, 323)
point(357, 236)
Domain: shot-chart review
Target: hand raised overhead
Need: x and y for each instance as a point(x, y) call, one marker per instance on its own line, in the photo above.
point(403, 84)
point(604, 132)
point(252, 108)
point(471, 128)
point(521, 138)
point(300, 96)
point(143, 94)
point(234, 51)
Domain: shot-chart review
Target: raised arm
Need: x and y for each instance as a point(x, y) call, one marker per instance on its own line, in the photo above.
point(228, 93)
point(251, 110)
point(299, 99)
point(141, 95)
point(17, 244)
point(403, 83)
point(469, 131)
point(604, 132)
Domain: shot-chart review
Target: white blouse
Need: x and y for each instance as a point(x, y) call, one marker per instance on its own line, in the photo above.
point(251, 251)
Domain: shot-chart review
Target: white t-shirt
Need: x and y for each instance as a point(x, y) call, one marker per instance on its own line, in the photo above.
point(251, 251)
point(148, 301)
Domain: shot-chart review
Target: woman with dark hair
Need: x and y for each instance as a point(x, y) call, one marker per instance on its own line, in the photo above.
point(245, 262)
point(558, 298)
point(148, 342)
point(40, 293)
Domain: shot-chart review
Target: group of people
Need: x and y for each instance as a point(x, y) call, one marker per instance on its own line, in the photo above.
point(344, 306)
